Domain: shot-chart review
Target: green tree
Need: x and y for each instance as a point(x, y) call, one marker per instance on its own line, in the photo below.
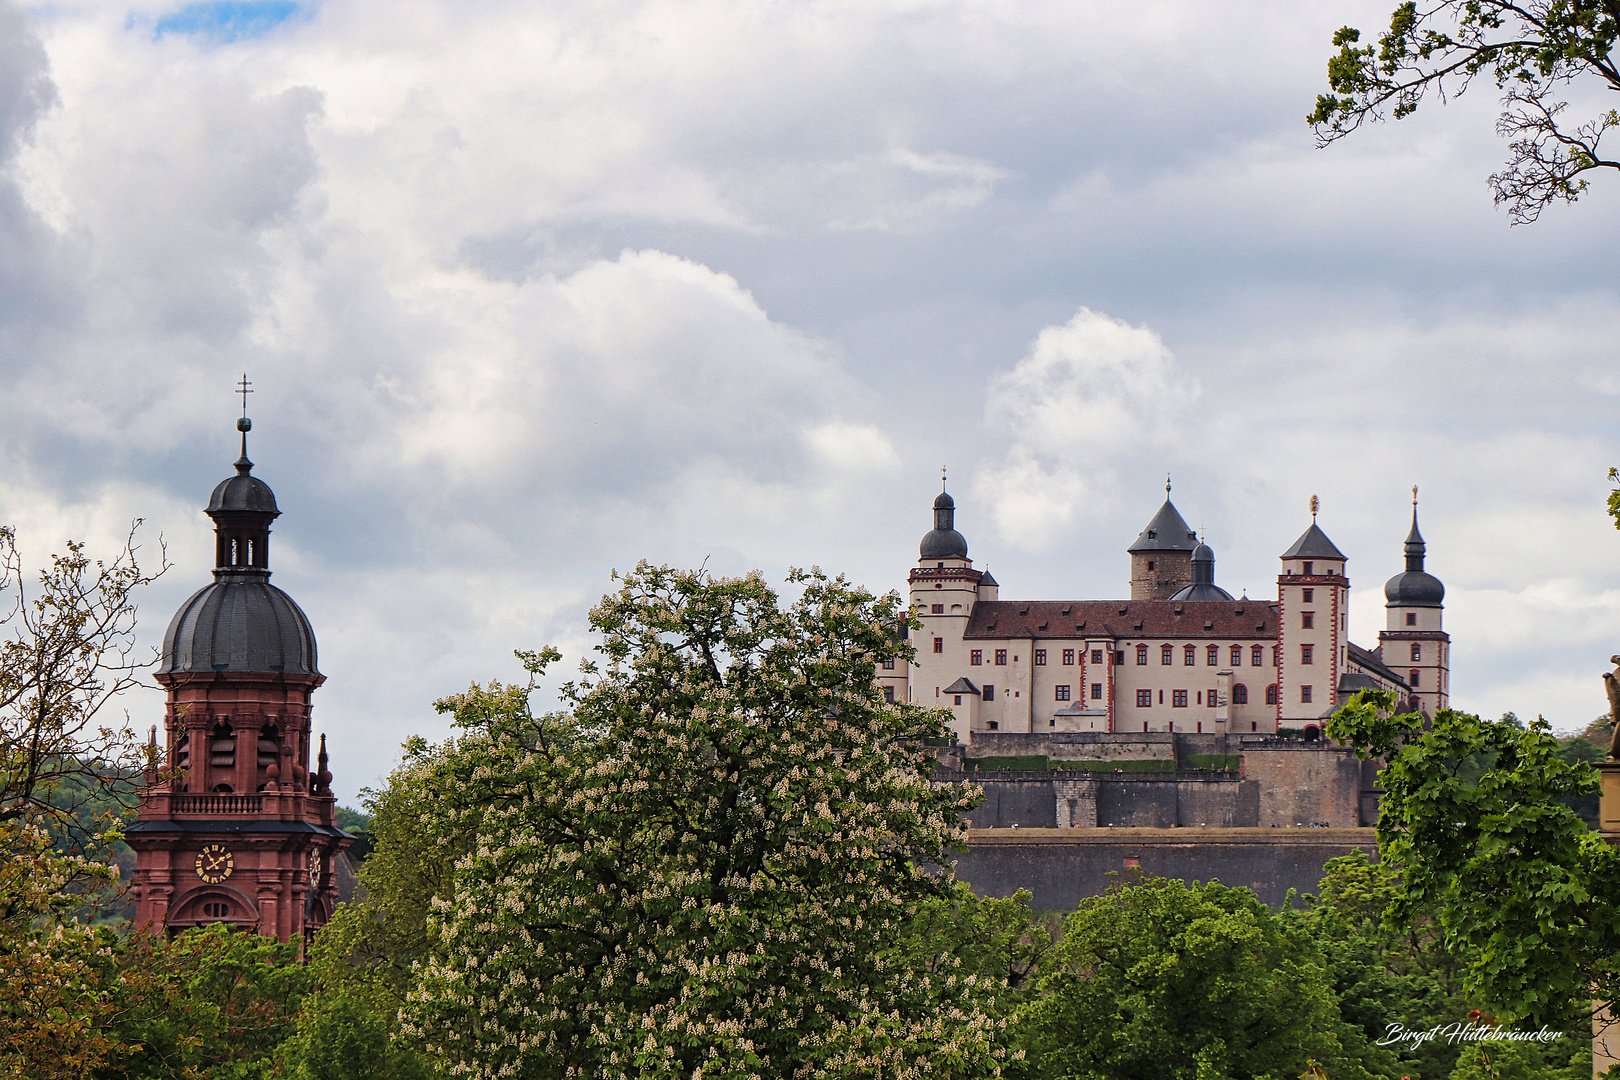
point(1531, 50)
point(1499, 860)
point(55, 1004)
point(362, 960)
point(707, 867)
point(210, 1003)
point(1161, 980)
point(1387, 978)
point(68, 651)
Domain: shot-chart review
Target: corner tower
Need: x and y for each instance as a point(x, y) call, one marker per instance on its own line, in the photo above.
point(1414, 640)
point(234, 825)
point(1161, 557)
point(1313, 618)
point(944, 587)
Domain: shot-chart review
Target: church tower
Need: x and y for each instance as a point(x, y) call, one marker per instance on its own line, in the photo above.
point(234, 825)
point(1414, 641)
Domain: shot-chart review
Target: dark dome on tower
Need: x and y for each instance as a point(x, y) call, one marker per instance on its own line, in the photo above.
point(240, 622)
point(243, 492)
point(1414, 587)
point(943, 541)
point(1203, 585)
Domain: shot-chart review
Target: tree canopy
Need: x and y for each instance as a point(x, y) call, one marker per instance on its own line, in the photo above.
point(1533, 51)
point(705, 867)
point(1476, 818)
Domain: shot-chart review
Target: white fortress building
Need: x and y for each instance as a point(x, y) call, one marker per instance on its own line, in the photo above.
point(1180, 655)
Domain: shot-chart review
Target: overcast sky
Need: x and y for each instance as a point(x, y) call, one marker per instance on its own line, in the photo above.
point(528, 292)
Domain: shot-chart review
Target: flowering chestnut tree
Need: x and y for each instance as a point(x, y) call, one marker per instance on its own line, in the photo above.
point(706, 867)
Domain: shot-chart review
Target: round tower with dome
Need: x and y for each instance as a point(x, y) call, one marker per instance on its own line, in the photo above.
point(1414, 640)
point(235, 823)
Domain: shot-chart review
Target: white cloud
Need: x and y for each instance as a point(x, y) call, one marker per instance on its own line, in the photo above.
point(1090, 394)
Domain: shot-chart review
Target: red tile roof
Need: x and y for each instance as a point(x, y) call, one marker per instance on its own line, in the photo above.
point(1122, 619)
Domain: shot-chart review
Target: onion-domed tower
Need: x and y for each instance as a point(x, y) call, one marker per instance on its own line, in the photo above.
point(234, 824)
point(1415, 641)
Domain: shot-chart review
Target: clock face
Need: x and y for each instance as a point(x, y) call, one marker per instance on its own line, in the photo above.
point(215, 863)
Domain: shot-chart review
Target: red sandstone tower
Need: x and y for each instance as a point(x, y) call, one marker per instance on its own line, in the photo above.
point(237, 828)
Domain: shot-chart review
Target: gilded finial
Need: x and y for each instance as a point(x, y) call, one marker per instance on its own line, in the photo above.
point(1414, 496)
point(1315, 504)
point(942, 478)
point(1167, 484)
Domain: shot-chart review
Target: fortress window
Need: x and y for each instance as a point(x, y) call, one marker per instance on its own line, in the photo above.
point(888, 694)
point(1001, 656)
point(993, 725)
point(976, 657)
point(1307, 595)
point(1178, 699)
point(1237, 656)
point(1189, 655)
point(1212, 655)
point(1305, 695)
point(1150, 564)
point(1096, 656)
point(1276, 655)
point(939, 644)
point(1417, 652)
point(1411, 618)
point(1144, 700)
point(1240, 694)
point(1061, 693)
point(1412, 677)
point(1305, 653)
point(888, 665)
point(1166, 654)
point(1068, 657)
point(959, 699)
point(1271, 694)
point(1040, 656)
point(989, 692)
point(1307, 619)
point(1096, 691)
point(1254, 656)
point(937, 609)
point(1308, 572)
point(1141, 654)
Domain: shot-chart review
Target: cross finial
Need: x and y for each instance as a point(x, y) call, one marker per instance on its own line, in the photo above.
point(1315, 503)
point(244, 425)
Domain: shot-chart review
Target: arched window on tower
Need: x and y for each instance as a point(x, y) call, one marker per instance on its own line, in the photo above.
point(1271, 694)
point(1240, 694)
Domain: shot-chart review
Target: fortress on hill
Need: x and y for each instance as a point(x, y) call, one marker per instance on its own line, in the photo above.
point(1100, 729)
